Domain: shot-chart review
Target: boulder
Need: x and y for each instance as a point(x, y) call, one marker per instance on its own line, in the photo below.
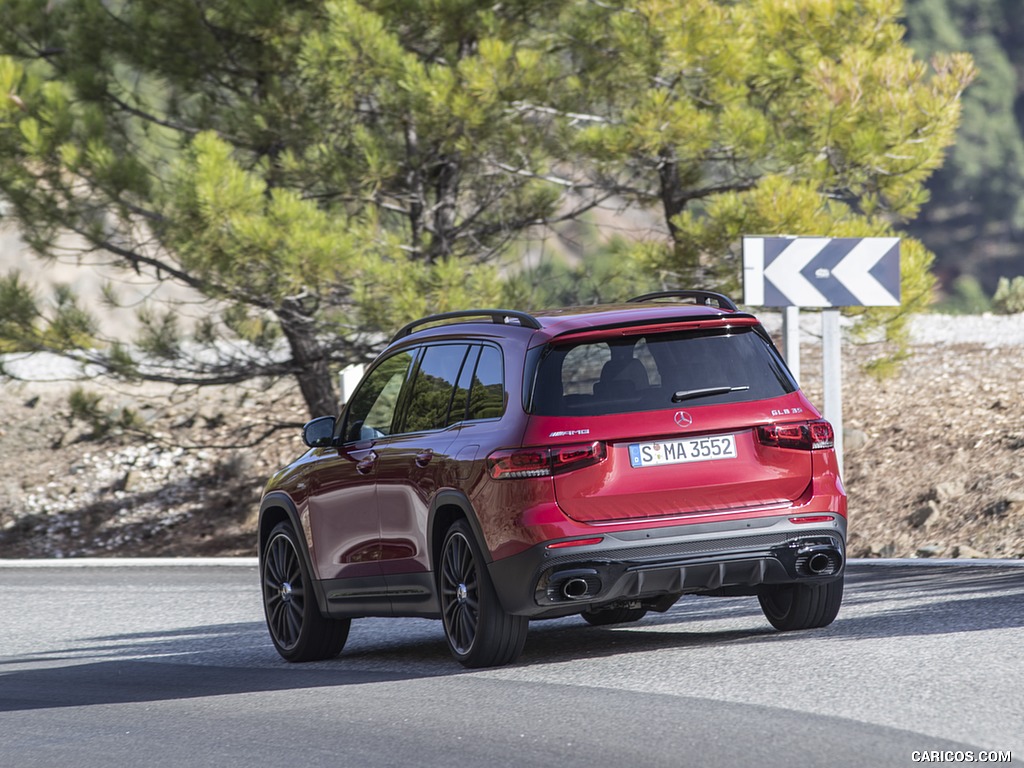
point(923, 516)
point(967, 552)
point(949, 490)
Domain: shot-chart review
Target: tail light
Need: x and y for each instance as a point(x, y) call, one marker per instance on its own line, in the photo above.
point(542, 462)
point(803, 436)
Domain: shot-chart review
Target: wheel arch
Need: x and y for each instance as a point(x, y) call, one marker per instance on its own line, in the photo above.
point(447, 507)
point(277, 507)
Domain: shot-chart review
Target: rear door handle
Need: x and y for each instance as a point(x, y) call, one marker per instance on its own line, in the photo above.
point(365, 466)
point(422, 459)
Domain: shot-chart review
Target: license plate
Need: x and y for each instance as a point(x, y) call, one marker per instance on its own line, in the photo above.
point(655, 454)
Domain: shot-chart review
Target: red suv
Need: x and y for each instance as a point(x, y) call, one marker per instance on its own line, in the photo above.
point(494, 467)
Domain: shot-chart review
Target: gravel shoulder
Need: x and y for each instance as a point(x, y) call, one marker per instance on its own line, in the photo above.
point(934, 455)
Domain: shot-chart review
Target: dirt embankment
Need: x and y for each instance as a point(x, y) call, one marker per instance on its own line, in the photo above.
point(934, 461)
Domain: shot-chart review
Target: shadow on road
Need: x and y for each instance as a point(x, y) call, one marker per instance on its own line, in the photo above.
point(916, 601)
point(235, 658)
point(133, 682)
point(196, 662)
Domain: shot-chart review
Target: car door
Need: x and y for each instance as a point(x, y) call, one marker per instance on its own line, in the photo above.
point(343, 510)
point(415, 463)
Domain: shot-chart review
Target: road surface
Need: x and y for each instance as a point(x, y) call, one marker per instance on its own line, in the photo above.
point(172, 666)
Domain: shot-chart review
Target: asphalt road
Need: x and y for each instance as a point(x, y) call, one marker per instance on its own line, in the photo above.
point(171, 666)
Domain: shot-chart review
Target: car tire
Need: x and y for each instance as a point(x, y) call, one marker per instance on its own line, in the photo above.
point(297, 628)
point(618, 615)
point(479, 631)
point(802, 606)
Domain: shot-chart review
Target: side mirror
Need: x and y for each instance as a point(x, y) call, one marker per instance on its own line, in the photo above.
point(319, 433)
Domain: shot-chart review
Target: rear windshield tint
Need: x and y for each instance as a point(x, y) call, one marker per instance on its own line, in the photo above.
point(629, 374)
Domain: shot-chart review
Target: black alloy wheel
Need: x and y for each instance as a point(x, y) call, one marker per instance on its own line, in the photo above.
point(479, 631)
point(803, 605)
point(297, 628)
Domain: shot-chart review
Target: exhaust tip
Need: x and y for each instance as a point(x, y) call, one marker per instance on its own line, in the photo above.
point(575, 585)
point(575, 588)
point(819, 563)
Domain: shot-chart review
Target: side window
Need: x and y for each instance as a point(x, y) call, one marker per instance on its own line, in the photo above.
point(487, 391)
point(460, 401)
point(373, 405)
point(433, 387)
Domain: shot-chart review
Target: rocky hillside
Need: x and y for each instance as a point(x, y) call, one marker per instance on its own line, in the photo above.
point(934, 456)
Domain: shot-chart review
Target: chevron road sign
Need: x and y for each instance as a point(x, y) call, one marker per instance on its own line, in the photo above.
point(821, 271)
point(826, 272)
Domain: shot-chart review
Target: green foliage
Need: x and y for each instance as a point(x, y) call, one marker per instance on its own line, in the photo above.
point(26, 326)
point(976, 210)
point(1009, 296)
point(87, 407)
point(421, 288)
point(968, 297)
point(159, 336)
point(887, 366)
point(612, 272)
point(764, 117)
point(252, 326)
point(70, 326)
point(322, 171)
point(18, 314)
point(988, 160)
point(120, 362)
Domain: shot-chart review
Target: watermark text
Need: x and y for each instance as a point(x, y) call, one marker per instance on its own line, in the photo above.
point(960, 756)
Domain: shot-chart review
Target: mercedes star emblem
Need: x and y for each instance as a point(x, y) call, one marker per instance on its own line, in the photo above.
point(683, 419)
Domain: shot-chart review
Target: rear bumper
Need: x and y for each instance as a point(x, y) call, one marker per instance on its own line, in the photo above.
point(717, 558)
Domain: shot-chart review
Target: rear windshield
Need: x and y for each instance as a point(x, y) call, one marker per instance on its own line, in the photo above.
point(647, 373)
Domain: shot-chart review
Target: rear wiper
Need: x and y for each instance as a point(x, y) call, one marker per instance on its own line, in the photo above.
point(691, 394)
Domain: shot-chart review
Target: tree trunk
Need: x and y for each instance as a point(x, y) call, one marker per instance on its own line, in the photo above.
point(670, 187)
point(312, 370)
point(417, 195)
point(447, 192)
point(673, 182)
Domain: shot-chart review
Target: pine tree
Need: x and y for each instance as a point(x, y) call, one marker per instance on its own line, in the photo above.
point(318, 171)
point(322, 170)
point(763, 117)
point(974, 220)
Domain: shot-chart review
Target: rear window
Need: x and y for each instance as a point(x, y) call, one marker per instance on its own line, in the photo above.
point(631, 373)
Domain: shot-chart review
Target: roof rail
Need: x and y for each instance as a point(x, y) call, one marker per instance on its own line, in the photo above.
point(497, 316)
point(700, 297)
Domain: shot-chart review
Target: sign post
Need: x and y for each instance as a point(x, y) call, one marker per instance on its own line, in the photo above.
point(832, 376)
point(828, 273)
point(791, 339)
